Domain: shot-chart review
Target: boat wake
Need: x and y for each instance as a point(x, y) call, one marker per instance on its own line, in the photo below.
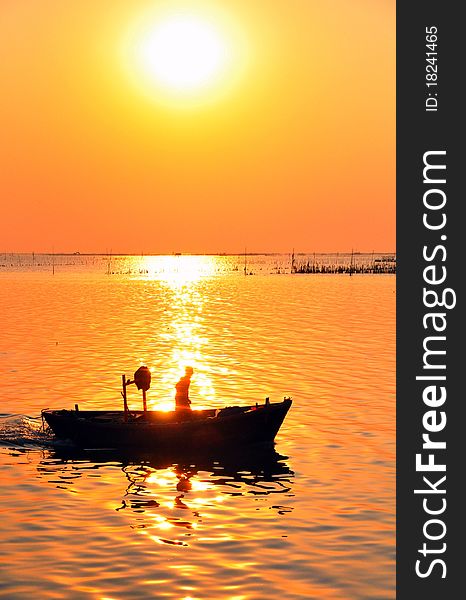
point(23, 431)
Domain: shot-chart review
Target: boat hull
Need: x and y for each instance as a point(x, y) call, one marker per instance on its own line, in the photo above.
point(171, 430)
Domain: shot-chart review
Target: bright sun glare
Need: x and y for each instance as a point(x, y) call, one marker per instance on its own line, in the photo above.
point(183, 53)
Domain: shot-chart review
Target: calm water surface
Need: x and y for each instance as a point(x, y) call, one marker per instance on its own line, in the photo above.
point(315, 518)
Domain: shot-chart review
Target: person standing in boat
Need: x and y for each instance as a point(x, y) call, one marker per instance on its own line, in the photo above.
point(182, 401)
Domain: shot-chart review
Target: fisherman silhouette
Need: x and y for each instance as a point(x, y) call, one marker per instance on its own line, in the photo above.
point(182, 401)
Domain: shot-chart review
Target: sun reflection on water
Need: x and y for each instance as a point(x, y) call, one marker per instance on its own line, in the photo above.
point(176, 507)
point(178, 270)
point(181, 505)
point(184, 334)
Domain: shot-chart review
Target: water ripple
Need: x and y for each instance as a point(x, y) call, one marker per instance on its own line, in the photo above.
point(314, 520)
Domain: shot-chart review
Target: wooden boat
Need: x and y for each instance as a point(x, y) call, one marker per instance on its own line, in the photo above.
point(158, 430)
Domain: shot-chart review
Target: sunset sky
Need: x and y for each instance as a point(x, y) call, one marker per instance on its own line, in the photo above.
point(278, 134)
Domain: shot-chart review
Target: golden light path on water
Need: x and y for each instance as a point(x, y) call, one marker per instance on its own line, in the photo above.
point(181, 274)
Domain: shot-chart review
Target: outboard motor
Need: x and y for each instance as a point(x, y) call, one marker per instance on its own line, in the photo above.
point(142, 378)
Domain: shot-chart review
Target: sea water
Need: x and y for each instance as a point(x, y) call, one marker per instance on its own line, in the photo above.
point(314, 518)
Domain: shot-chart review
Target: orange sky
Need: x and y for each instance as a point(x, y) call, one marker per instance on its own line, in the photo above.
point(295, 149)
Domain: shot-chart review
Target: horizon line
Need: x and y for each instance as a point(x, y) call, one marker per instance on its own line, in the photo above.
point(242, 253)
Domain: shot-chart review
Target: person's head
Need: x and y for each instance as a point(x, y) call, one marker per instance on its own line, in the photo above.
point(189, 371)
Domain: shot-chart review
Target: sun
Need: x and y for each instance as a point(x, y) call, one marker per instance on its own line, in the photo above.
point(183, 53)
